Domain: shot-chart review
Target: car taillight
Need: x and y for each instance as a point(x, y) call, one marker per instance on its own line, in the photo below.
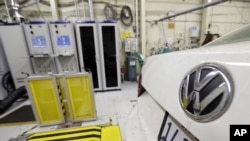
point(140, 87)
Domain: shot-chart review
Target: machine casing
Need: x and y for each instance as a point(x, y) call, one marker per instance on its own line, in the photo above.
point(89, 51)
point(64, 46)
point(109, 53)
point(15, 49)
point(40, 47)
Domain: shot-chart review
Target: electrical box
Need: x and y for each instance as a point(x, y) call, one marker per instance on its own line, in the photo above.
point(194, 31)
point(40, 47)
point(109, 53)
point(64, 46)
point(89, 50)
point(130, 45)
point(15, 49)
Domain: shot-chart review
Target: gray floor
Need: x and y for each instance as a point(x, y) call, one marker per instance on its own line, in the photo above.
point(111, 105)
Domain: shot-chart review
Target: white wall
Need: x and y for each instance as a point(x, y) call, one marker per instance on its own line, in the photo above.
point(229, 16)
point(223, 19)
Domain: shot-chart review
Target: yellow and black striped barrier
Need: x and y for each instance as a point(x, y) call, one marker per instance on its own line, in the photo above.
point(92, 133)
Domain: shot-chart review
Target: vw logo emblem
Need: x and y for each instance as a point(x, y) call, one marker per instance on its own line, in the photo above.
point(206, 92)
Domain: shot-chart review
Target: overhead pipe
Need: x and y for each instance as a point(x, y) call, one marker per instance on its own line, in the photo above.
point(143, 27)
point(30, 4)
point(77, 9)
point(83, 9)
point(91, 10)
point(191, 10)
point(136, 24)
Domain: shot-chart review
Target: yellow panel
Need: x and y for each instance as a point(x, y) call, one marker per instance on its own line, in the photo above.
point(46, 103)
point(80, 93)
point(111, 133)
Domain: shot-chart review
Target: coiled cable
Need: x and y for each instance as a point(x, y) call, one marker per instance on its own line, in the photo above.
point(110, 12)
point(126, 16)
point(7, 82)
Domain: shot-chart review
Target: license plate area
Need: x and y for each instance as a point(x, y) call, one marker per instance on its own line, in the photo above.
point(171, 130)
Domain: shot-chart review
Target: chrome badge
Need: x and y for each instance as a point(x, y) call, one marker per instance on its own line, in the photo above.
point(206, 92)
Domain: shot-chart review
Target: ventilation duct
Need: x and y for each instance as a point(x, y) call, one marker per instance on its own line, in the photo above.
point(14, 10)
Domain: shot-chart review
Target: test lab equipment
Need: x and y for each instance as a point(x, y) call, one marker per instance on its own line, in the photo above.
point(89, 50)
point(15, 49)
point(64, 46)
point(40, 47)
point(109, 53)
point(99, 51)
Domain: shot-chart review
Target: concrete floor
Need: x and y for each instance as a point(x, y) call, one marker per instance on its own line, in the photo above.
point(115, 105)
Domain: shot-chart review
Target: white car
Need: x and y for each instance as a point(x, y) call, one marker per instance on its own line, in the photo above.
point(196, 94)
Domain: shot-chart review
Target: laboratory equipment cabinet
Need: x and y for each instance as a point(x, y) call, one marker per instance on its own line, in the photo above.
point(64, 46)
point(98, 51)
point(88, 50)
point(109, 53)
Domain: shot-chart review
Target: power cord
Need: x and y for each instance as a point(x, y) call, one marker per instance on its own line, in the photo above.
point(110, 12)
point(126, 16)
point(8, 85)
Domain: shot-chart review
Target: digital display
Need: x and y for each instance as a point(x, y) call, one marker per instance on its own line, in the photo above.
point(39, 41)
point(63, 41)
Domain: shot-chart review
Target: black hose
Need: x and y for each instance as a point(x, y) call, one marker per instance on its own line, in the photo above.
point(10, 99)
point(126, 16)
point(7, 82)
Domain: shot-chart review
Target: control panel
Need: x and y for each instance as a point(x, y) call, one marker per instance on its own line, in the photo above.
point(38, 38)
point(64, 46)
point(62, 36)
